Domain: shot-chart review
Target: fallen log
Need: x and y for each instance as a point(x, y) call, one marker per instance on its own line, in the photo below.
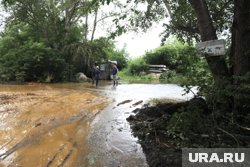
point(124, 102)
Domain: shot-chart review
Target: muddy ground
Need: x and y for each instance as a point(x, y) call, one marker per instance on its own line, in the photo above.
point(149, 125)
point(46, 126)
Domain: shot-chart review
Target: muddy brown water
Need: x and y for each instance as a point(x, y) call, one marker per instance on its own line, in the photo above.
point(44, 125)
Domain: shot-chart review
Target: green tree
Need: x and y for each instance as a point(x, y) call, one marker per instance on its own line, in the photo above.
point(85, 53)
point(53, 31)
point(120, 56)
point(24, 59)
point(137, 66)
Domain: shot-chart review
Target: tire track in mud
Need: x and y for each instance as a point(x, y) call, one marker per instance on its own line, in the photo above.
point(55, 156)
point(35, 135)
point(46, 127)
point(41, 129)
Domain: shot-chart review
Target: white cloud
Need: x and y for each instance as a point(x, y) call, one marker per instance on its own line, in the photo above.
point(138, 44)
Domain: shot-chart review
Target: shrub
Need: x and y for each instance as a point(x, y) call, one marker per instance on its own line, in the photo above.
point(176, 56)
point(167, 75)
point(137, 66)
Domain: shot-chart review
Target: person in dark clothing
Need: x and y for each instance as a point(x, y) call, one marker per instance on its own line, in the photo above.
point(114, 74)
point(95, 75)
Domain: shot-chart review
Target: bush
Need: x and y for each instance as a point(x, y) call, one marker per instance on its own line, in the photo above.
point(137, 66)
point(189, 122)
point(176, 56)
point(167, 75)
point(27, 57)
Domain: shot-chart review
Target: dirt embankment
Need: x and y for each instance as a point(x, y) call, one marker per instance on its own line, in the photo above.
point(45, 127)
point(150, 126)
point(165, 128)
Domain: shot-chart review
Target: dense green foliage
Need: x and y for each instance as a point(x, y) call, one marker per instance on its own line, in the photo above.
point(27, 58)
point(23, 58)
point(175, 55)
point(184, 21)
point(45, 41)
point(137, 66)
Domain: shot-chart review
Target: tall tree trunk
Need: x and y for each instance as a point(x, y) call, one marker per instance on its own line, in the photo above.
point(86, 27)
point(217, 64)
point(168, 8)
point(241, 56)
point(232, 47)
point(66, 23)
point(95, 24)
point(242, 37)
point(207, 31)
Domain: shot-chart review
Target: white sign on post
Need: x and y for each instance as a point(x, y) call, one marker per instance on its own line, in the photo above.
point(212, 48)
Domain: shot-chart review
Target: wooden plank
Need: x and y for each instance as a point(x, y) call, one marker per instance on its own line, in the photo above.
point(158, 66)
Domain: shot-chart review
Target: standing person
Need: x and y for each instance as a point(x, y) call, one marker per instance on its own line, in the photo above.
point(114, 74)
point(95, 74)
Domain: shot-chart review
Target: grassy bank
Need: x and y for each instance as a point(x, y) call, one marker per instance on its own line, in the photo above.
point(152, 78)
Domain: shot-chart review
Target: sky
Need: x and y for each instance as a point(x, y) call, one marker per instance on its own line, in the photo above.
point(137, 44)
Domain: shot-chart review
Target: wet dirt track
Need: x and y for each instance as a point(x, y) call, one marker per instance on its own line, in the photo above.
point(45, 125)
point(58, 125)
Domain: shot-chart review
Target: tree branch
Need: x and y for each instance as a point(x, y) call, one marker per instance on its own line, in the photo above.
point(107, 16)
point(168, 8)
point(94, 26)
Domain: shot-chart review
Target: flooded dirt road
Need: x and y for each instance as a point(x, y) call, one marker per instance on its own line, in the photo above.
point(110, 139)
point(73, 124)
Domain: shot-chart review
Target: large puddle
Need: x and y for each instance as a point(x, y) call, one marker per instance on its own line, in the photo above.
point(73, 124)
point(111, 143)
